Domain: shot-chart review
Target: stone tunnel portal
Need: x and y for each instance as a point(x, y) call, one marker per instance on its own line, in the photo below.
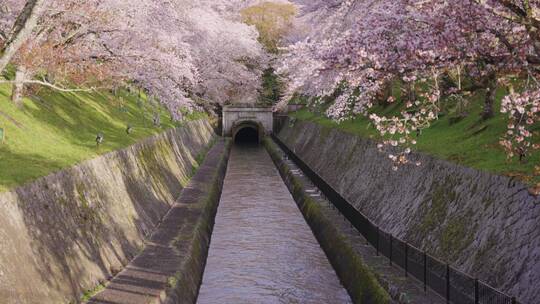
point(247, 123)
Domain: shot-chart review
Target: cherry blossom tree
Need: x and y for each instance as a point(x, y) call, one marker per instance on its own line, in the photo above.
point(180, 52)
point(361, 47)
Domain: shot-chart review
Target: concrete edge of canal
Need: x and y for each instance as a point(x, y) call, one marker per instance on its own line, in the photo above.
point(180, 245)
point(188, 278)
point(359, 280)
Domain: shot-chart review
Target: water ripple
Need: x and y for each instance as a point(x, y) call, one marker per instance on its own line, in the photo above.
point(262, 250)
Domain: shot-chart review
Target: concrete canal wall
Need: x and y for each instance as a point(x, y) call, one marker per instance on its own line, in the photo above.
point(63, 234)
point(170, 268)
point(483, 224)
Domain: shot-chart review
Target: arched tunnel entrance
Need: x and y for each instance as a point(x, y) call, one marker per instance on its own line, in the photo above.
point(247, 133)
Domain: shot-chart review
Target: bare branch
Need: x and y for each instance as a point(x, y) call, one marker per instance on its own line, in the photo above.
point(49, 85)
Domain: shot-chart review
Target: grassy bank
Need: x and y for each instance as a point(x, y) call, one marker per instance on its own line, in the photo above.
point(469, 141)
point(56, 130)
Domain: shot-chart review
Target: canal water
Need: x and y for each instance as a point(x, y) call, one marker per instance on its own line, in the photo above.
point(262, 250)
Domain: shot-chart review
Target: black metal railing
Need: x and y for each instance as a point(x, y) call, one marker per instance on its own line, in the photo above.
point(451, 284)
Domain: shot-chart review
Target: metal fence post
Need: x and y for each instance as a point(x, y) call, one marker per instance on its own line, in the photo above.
point(514, 300)
point(391, 241)
point(476, 294)
point(378, 231)
point(406, 260)
point(366, 236)
point(447, 283)
point(425, 272)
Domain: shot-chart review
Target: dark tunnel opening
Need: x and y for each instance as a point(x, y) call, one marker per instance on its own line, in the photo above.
point(247, 135)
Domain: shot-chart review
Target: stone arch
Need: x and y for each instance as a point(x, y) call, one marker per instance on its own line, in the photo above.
point(234, 115)
point(246, 125)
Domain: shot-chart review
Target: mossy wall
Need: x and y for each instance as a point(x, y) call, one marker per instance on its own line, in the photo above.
point(360, 282)
point(188, 278)
point(170, 268)
point(63, 234)
point(483, 224)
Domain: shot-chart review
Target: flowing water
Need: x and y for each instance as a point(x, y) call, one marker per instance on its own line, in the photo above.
point(262, 250)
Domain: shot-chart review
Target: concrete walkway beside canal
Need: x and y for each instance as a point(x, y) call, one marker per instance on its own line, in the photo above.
point(262, 250)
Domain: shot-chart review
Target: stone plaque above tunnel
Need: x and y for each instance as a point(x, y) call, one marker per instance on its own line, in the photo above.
point(238, 117)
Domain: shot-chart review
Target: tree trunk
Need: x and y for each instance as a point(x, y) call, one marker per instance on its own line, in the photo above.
point(411, 92)
point(22, 30)
point(385, 93)
point(18, 87)
point(491, 92)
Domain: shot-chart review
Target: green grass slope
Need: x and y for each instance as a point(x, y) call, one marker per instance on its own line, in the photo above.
point(56, 130)
point(470, 141)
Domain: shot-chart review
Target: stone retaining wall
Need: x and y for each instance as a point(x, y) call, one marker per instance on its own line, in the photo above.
point(63, 234)
point(170, 268)
point(483, 224)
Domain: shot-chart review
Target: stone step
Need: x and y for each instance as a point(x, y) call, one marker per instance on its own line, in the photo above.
point(170, 267)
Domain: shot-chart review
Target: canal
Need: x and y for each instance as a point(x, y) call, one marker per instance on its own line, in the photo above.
point(262, 250)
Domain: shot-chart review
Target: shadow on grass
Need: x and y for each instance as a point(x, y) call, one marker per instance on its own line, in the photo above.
point(34, 166)
point(81, 117)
